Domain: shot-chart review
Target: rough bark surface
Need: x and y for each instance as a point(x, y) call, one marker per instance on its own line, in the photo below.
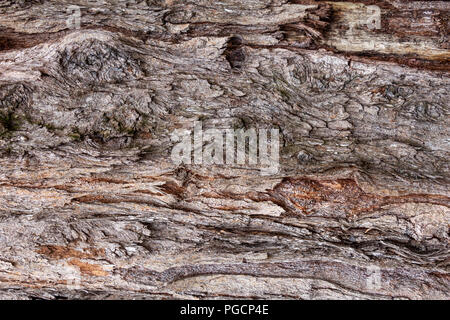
point(87, 186)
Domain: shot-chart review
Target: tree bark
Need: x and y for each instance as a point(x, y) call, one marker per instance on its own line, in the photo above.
point(92, 206)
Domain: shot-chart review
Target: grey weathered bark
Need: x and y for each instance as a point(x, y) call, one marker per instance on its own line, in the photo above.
point(88, 187)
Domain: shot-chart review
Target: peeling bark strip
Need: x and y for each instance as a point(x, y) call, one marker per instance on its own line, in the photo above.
point(340, 197)
point(91, 205)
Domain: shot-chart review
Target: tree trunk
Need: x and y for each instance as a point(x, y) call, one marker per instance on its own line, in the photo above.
point(93, 206)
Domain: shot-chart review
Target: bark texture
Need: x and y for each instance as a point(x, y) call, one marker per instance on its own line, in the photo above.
point(87, 187)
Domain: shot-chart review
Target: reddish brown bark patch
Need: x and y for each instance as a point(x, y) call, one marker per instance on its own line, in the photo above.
point(88, 268)
point(340, 197)
point(61, 252)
